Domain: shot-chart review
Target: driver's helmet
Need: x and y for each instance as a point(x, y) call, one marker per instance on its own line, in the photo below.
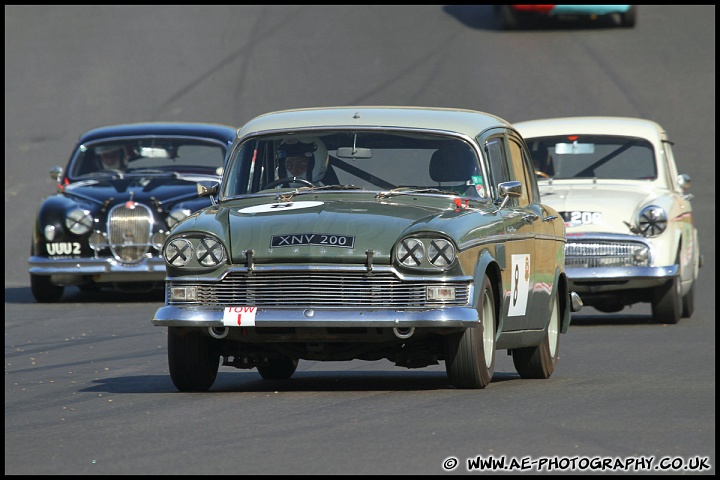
point(105, 149)
point(311, 148)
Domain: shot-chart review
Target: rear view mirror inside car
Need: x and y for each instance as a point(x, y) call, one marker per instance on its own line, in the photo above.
point(574, 148)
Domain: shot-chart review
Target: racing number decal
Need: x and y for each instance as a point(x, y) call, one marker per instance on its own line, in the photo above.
point(520, 284)
point(239, 316)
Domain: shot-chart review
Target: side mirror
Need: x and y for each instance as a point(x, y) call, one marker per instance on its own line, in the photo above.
point(507, 190)
point(56, 174)
point(684, 181)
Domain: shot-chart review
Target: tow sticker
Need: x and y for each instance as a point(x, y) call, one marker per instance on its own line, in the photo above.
point(279, 207)
point(239, 316)
point(520, 287)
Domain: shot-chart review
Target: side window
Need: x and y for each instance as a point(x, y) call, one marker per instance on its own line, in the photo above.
point(495, 150)
point(670, 167)
point(520, 171)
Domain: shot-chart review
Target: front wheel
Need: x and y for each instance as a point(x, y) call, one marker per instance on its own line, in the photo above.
point(540, 361)
point(470, 355)
point(667, 304)
point(193, 359)
point(43, 290)
point(688, 302)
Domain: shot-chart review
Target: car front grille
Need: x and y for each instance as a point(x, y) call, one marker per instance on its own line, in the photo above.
point(323, 289)
point(592, 254)
point(129, 230)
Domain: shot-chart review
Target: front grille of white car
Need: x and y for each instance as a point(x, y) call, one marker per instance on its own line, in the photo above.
point(129, 229)
point(325, 289)
point(592, 254)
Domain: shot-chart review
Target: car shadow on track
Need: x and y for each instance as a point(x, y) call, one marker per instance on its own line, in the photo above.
point(23, 295)
point(302, 381)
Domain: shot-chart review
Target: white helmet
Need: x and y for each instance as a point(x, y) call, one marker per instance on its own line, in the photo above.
point(311, 147)
point(103, 149)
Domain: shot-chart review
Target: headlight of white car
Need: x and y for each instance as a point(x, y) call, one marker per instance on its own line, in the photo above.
point(652, 221)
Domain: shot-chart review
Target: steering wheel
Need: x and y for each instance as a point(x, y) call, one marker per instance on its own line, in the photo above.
point(287, 181)
point(541, 174)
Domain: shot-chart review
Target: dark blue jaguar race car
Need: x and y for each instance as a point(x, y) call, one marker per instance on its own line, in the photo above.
point(123, 190)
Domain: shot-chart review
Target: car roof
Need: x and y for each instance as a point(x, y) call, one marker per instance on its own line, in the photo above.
point(623, 126)
point(463, 121)
point(211, 130)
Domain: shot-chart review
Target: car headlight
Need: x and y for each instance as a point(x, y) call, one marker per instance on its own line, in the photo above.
point(425, 253)
point(79, 221)
point(177, 215)
point(210, 252)
point(194, 252)
point(410, 252)
point(178, 252)
point(652, 221)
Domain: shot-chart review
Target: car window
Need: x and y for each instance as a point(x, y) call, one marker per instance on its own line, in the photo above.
point(595, 156)
point(520, 171)
point(495, 149)
point(670, 167)
point(364, 160)
point(158, 154)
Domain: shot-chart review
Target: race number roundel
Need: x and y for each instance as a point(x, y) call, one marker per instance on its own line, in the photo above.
point(279, 207)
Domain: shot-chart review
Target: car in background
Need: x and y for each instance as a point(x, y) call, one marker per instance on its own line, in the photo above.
point(523, 16)
point(631, 232)
point(122, 191)
point(415, 235)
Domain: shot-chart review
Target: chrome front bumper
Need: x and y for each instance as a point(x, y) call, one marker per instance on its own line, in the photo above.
point(605, 279)
point(178, 316)
point(71, 271)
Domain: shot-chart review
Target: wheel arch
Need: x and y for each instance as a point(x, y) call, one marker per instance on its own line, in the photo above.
point(488, 265)
point(562, 288)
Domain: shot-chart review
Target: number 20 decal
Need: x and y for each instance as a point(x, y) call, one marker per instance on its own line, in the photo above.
point(582, 218)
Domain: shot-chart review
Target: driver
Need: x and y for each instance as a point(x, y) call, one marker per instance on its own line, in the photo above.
point(305, 158)
point(111, 157)
point(542, 161)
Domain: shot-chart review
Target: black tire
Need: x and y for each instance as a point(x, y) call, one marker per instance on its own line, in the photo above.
point(43, 290)
point(667, 304)
point(280, 368)
point(540, 361)
point(470, 355)
point(688, 302)
point(629, 18)
point(193, 359)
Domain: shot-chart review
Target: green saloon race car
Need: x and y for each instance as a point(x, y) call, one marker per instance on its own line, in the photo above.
point(409, 234)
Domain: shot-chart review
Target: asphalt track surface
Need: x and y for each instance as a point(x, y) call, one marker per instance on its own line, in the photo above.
point(87, 389)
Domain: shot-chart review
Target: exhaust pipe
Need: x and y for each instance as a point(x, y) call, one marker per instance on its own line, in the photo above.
point(219, 333)
point(403, 333)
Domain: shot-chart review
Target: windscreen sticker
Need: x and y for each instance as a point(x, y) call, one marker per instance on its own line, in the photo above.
point(239, 316)
point(520, 277)
point(279, 207)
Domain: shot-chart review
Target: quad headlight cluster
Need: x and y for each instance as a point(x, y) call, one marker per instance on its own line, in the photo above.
point(425, 253)
point(652, 221)
point(195, 252)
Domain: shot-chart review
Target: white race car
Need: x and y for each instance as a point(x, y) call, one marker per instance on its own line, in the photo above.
point(627, 212)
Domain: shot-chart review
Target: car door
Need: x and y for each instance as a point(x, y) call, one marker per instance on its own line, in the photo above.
point(519, 245)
